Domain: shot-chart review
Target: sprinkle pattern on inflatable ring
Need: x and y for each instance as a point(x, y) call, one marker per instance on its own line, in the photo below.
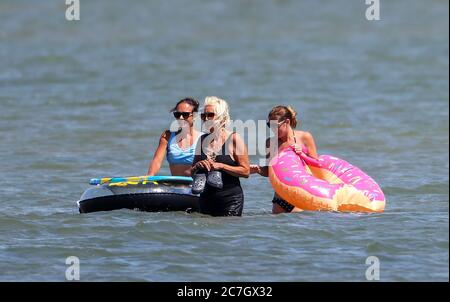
point(325, 184)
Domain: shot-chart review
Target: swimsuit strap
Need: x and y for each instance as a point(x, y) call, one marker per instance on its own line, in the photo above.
point(304, 148)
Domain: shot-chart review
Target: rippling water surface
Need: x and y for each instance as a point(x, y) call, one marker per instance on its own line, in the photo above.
point(90, 99)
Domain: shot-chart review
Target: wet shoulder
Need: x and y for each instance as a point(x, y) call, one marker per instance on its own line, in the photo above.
point(303, 135)
point(166, 135)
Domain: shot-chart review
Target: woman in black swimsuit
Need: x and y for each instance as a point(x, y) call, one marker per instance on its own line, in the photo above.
point(223, 151)
point(284, 120)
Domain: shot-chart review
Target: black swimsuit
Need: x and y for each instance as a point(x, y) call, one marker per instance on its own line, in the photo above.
point(283, 203)
point(228, 201)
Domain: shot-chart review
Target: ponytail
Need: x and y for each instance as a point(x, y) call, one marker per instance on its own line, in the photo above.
point(293, 116)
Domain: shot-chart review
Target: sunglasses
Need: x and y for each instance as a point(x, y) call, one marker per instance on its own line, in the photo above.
point(278, 124)
point(185, 115)
point(207, 115)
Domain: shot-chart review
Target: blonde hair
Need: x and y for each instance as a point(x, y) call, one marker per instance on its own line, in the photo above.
point(282, 113)
point(221, 109)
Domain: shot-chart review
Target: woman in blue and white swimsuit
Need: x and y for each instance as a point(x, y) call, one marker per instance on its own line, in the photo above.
point(179, 146)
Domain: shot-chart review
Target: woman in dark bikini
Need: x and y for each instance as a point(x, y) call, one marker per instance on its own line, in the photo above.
point(225, 152)
point(283, 120)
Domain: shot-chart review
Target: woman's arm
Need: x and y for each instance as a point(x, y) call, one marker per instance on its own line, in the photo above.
point(262, 170)
point(198, 164)
point(160, 153)
point(240, 154)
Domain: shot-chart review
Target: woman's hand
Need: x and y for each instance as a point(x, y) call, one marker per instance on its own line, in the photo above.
point(255, 169)
point(215, 165)
point(208, 165)
point(297, 148)
point(203, 164)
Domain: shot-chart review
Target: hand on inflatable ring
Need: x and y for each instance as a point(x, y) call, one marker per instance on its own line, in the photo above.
point(297, 148)
point(305, 157)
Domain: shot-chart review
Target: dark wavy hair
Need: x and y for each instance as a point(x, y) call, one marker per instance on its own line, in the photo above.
point(191, 101)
